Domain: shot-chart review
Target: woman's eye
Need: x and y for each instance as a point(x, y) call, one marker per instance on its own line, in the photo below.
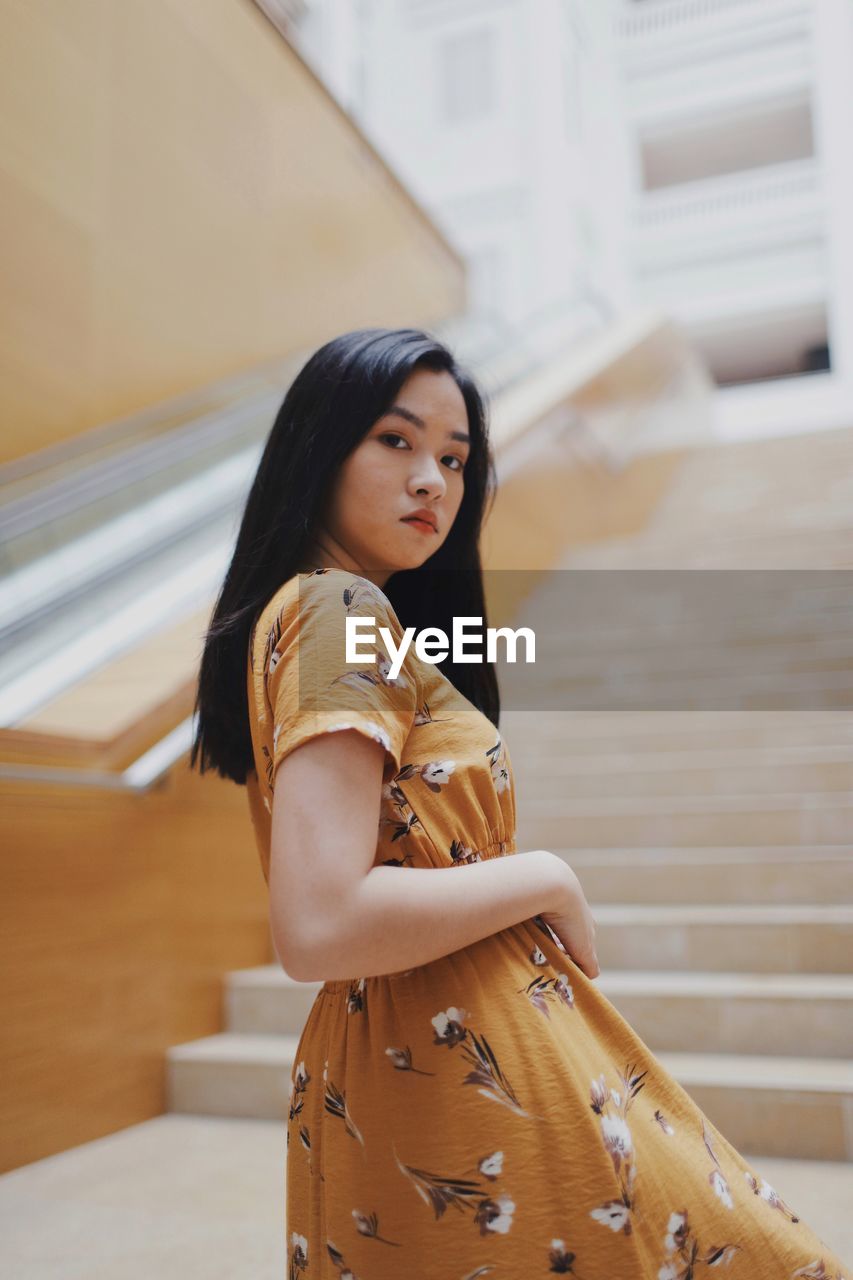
point(397, 440)
point(391, 435)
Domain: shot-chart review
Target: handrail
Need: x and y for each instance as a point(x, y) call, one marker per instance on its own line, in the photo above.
point(136, 462)
point(510, 366)
point(139, 777)
point(652, 19)
point(731, 191)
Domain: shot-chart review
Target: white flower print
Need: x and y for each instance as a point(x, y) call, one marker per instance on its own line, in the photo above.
point(376, 731)
point(617, 1140)
point(367, 1224)
point(438, 773)
point(449, 1025)
point(664, 1123)
point(299, 1251)
point(675, 1232)
point(543, 989)
point(614, 1215)
point(495, 1215)
point(383, 668)
point(617, 1137)
point(716, 1177)
point(441, 1190)
point(499, 770)
point(401, 1059)
point(492, 1165)
point(463, 853)
point(766, 1192)
point(681, 1240)
point(721, 1188)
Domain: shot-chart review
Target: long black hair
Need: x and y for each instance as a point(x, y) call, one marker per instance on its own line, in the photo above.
point(336, 397)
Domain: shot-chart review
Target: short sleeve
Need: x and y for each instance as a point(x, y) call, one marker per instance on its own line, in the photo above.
point(313, 688)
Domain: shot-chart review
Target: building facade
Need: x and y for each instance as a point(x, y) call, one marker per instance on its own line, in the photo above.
point(588, 158)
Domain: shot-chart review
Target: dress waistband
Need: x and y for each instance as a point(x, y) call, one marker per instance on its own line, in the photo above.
point(497, 849)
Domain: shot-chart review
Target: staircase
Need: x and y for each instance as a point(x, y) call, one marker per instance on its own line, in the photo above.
point(715, 846)
point(725, 933)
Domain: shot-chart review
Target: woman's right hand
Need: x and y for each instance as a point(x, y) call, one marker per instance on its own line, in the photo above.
point(572, 921)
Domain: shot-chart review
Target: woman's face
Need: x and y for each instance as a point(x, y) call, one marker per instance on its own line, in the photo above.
point(411, 458)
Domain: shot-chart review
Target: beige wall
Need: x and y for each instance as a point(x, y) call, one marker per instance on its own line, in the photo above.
point(121, 914)
point(182, 200)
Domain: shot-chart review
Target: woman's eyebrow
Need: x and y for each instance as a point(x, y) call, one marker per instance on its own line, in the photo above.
point(402, 412)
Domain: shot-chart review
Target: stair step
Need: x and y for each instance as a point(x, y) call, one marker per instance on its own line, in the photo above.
point(771, 690)
point(785, 1106)
point(735, 938)
point(763, 876)
point(784, 818)
point(729, 1012)
point(824, 549)
point(267, 1001)
point(607, 733)
point(231, 1074)
point(782, 1106)
point(757, 549)
point(741, 1013)
point(665, 773)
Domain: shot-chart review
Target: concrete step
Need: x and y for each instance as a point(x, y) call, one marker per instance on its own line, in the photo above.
point(761, 552)
point(647, 654)
point(231, 1074)
point(770, 690)
point(736, 939)
point(784, 1106)
point(771, 819)
point(761, 603)
point(780, 549)
point(183, 1196)
point(541, 733)
point(620, 603)
point(787, 1014)
point(762, 876)
point(830, 548)
point(265, 1000)
point(665, 773)
point(797, 1107)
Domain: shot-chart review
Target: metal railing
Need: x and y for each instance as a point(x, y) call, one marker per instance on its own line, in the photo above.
point(734, 194)
point(672, 17)
point(142, 775)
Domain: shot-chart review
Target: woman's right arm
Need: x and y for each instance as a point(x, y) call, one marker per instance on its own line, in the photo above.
point(333, 914)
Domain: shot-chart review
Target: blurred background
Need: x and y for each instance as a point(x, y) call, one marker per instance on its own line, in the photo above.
point(633, 220)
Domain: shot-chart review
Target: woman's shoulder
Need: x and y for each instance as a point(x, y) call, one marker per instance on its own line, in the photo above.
point(338, 590)
point(319, 595)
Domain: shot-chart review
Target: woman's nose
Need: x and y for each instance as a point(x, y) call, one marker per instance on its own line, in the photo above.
point(428, 476)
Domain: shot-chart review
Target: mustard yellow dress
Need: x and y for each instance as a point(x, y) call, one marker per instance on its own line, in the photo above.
point(489, 1113)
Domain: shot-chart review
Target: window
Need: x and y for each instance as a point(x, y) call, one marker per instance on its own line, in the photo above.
point(486, 283)
point(467, 79)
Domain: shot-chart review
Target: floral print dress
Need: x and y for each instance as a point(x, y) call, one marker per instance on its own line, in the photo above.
point(489, 1113)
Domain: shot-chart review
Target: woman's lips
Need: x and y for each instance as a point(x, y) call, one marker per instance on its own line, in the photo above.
point(425, 528)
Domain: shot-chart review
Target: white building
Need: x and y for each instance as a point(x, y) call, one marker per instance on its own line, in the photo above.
point(587, 156)
point(742, 216)
point(498, 116)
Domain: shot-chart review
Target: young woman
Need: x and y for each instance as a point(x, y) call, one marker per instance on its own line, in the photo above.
point(464, 1101)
